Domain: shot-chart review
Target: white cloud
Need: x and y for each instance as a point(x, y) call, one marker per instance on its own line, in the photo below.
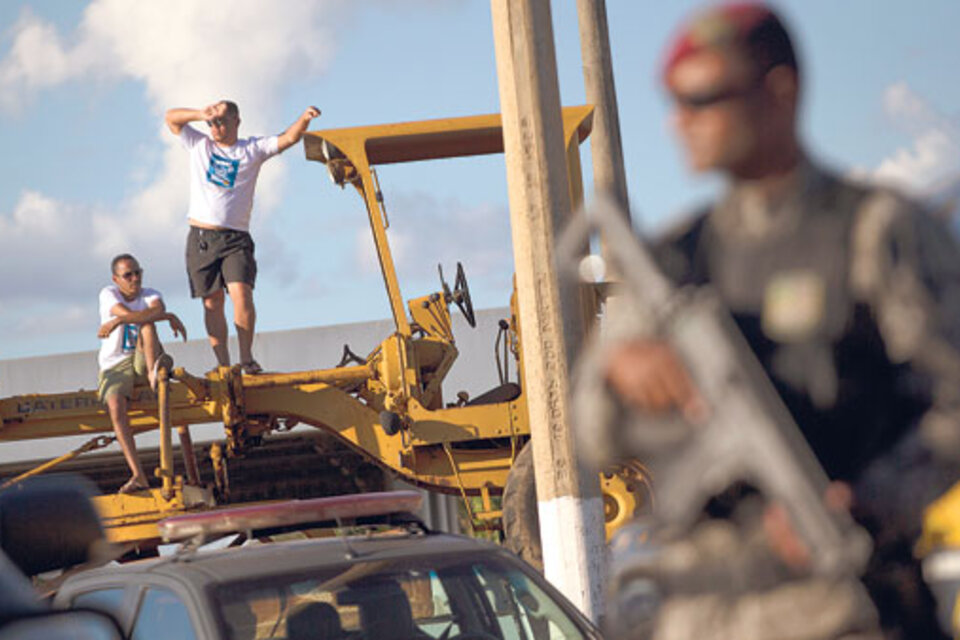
point(934, 154)
point(184, 53)
point(900, 102)
point(35, 237)
point(37, 59)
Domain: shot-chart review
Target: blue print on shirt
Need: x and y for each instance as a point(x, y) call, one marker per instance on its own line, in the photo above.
point(130, 332)
point(222, 171)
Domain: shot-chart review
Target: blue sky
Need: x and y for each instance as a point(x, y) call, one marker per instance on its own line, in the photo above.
point(90, 171)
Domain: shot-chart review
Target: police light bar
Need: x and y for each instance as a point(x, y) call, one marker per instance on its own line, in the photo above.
point(287, 513)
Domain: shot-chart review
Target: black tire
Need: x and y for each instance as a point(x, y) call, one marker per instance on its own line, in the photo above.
point(521, 524)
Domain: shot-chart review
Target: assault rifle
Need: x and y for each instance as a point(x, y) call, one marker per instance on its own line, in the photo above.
point(748, 436)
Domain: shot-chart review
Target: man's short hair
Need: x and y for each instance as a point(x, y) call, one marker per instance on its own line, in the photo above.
point(751, 27)
point(120, 258)
point(232, 107)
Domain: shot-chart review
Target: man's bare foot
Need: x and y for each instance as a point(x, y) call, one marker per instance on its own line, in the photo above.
point(133, 485)
point(164, 361)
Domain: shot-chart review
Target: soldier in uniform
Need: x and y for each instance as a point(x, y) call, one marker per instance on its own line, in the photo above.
point(848, 294)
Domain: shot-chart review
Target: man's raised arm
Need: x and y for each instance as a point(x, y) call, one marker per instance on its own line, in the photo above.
point(295, 131)
point(176, 118)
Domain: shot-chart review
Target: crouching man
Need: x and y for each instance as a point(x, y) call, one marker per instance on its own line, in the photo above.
point(130, 351)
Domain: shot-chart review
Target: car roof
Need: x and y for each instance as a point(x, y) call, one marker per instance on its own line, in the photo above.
point(202, 572)
point(285, 557)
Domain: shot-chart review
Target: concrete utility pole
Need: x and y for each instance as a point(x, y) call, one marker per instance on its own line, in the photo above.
point(609, 176)
point(569, 502)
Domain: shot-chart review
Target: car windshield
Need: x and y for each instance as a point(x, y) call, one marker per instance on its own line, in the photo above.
point(475, 598)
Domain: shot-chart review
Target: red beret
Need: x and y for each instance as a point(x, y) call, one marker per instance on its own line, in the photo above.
point(729, 24)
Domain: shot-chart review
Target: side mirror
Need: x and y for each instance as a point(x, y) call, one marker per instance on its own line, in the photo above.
point(62, 625)
point(50, 523)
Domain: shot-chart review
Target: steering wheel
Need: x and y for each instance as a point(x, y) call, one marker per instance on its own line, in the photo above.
point(460, 294)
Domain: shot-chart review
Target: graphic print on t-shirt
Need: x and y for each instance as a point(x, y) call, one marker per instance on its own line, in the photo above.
point(130, 332)
point(222, 171)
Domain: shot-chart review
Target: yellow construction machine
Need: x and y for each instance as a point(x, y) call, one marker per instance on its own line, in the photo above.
point(388, 406)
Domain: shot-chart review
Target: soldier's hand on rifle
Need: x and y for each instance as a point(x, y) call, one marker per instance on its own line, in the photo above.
point(649, 376)
point(783, 538)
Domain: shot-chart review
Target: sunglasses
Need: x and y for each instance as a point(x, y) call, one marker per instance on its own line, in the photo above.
point(133, 273)
point(219, 121)
point(706, 99)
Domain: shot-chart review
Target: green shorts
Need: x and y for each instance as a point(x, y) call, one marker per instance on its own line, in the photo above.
point(121, 378)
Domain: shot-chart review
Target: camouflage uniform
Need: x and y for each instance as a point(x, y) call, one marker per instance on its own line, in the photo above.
point(721, 581)
point(850, 298)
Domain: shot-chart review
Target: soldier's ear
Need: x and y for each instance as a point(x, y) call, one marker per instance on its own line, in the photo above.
point(783, 84)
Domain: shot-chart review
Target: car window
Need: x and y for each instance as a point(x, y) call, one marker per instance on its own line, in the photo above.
point(106, 600)
point(523, 609)
point(162, 616)
point(432, 610)
point(449, 598)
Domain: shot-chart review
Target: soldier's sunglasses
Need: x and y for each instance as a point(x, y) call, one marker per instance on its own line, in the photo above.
point(713, 97)
point(133, 273)
point(220, 121)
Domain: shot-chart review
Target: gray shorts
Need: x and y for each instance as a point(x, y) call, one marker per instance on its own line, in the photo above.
point(218, 256)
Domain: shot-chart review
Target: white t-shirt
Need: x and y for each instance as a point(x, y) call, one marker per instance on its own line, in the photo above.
point(122, 341)
point(223, 180)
